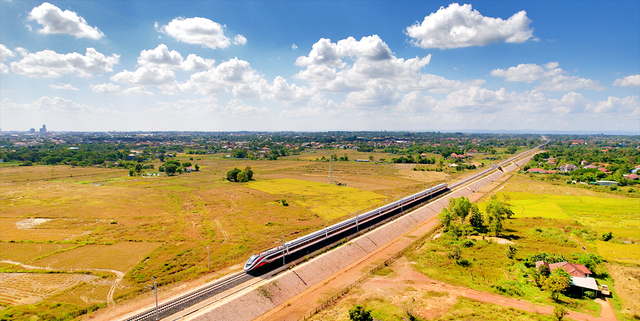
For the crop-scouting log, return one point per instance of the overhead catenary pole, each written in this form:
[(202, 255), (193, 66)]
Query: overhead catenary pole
[(326, 233), (283, 262), (155, 291), (208, 260)]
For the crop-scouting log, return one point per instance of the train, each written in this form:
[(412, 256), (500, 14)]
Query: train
[(277, 253)]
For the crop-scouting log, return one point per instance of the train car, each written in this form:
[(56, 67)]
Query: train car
[(303, 242)]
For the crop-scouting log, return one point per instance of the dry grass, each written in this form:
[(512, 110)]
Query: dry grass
[(120, 257), (26, 252), (627, 287), (161, 226), (337, 201), (30, 288)]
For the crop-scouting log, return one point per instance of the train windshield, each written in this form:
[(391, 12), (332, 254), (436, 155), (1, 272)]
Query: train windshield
[(251, 260)]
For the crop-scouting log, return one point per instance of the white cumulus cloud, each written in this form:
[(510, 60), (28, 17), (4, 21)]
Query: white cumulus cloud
[(162, 57), (414, 102), (5, 53), (460, 26), (629, 81), (55, 20), (137, 90), (146, 76), (551, 77), (235, 74), (108, 88), (63, 86), (50, 64), (200, 31), (239, 40)]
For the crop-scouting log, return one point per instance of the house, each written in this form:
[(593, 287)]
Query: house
[(477, 164), (537, 170), (577, 270), (590, 167), (580, 274), (607, 183), (584, 163), (567, 168), (362, 160), (604, 170), (631, 177), (189, 169)]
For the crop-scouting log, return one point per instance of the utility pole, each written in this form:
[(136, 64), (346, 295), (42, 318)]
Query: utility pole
[(326, 233), (208, 260), (282, 249), (357, 225), (155, 291), (330, 169)]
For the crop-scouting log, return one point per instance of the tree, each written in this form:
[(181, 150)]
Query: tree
[(249, 173), (197, 167), (476, 220), (138, 168), (558, 281), (606, 236), (371, 158), (241, 177), (358, 313), (170, 169), (232, 175), (544, 270), (512, 250), (497, 211)]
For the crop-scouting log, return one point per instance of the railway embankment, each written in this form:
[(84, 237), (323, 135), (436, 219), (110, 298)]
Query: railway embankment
[(253, 303)]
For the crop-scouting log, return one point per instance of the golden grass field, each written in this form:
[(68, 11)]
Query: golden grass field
[(98, 218)]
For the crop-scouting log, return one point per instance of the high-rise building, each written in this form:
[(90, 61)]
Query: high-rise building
[(43, 129), (32, 130)]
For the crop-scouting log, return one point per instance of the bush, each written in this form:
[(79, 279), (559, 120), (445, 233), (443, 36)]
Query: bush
[(590, 294), (467, 243)]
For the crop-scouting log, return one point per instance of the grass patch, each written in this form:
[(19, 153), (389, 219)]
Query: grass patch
[(469, 309), (338, 201), (619, 252)]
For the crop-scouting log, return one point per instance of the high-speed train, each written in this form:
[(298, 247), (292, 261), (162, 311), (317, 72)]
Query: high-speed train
[(303, 242)]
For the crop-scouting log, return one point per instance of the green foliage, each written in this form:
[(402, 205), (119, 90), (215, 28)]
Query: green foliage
[(606, 236), (559, 313), (453, 217), (248, 172), (497, 211), (590, 260), (358, 313), (232, 175), (26, 163), (559, 281), (170, 169), (512, 250), (476, 220)]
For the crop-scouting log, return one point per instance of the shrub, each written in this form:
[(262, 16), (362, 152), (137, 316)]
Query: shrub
[(590, 294)]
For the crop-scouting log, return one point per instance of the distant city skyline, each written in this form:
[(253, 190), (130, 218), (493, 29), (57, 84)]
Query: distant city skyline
[(560, 66)]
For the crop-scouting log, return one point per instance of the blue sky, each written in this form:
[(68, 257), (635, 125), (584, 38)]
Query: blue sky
[(320, 65)]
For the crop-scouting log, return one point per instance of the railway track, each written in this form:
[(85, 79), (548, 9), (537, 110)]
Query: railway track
[(171, 307)]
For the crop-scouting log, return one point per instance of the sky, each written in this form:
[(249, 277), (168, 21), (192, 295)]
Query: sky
[(320, 65)]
